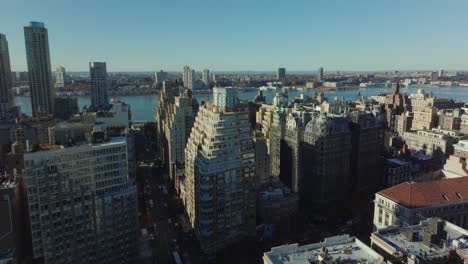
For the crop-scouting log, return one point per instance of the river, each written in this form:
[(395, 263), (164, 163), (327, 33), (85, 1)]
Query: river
[(144, 106)]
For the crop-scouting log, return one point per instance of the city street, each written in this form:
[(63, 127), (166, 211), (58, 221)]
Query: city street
[(167, 218)]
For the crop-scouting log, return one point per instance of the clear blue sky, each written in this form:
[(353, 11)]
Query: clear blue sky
[(244, 34)]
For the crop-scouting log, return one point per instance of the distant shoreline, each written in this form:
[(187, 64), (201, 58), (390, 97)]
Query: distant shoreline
[(252, 89)]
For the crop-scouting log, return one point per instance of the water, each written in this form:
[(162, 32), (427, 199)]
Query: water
[(144, 106)]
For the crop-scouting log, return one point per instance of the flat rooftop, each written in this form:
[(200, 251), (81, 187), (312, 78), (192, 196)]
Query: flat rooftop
[(398, 161), (337, 249), (396, 238)]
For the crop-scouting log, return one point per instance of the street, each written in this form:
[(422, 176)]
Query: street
[(166, 214)]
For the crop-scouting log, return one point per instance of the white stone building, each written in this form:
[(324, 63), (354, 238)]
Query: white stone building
[(408, 203)]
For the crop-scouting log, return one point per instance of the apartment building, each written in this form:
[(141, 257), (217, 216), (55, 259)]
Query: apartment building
[(82, 204), (219, 187)]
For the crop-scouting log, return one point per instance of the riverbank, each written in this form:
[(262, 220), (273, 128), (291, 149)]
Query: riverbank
[(144, 106)]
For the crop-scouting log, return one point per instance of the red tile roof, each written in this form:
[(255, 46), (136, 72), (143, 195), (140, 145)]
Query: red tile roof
[(431, 193)]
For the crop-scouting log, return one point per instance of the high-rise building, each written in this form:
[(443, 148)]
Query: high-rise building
[(14, 76), (169, 91), (65, 107), (320, 74), (395, 104), (160, 77), (281, 74), (98, 84), (82, 205), (325, 155), (6, 99), (441, 72), (60, 76), (40, 73), (23, 76), (219, 193), (206, 76), (188, 77), (177, 128), (434, 76)]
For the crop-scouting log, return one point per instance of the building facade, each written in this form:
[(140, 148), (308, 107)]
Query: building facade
[(169, 92), (188, 76), (160, 77), (431, 142), (98, 84), (320, 74), (65, 107), (281, 74), (424, 119), (220, 192), (403, 122), (83, 208), (177, 129), (206, 77), (395, 104), (326, 155), (60, 76), (408, 203), (39, 69), (5, 77)]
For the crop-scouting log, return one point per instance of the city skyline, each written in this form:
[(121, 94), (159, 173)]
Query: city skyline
[(244, 36)]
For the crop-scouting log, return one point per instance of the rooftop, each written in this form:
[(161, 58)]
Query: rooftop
[(398, 161), (462, 145), (420, 156), (337, 249), (431, 193), (36, 24), (409, 240)]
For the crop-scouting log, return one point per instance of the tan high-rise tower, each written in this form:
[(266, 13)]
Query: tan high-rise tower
[(219, 194)]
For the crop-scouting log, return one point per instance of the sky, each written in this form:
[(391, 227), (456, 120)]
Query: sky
[(240, 35)]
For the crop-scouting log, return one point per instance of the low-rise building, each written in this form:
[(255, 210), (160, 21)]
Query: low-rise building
[(432, 241), (65, 107), (276, 202), (455, 167), (436, 143), (424, 119), (404, 122), (450, 119), (338, 249), (396, 171), (461, 149), (421, 100), (410, 202)]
